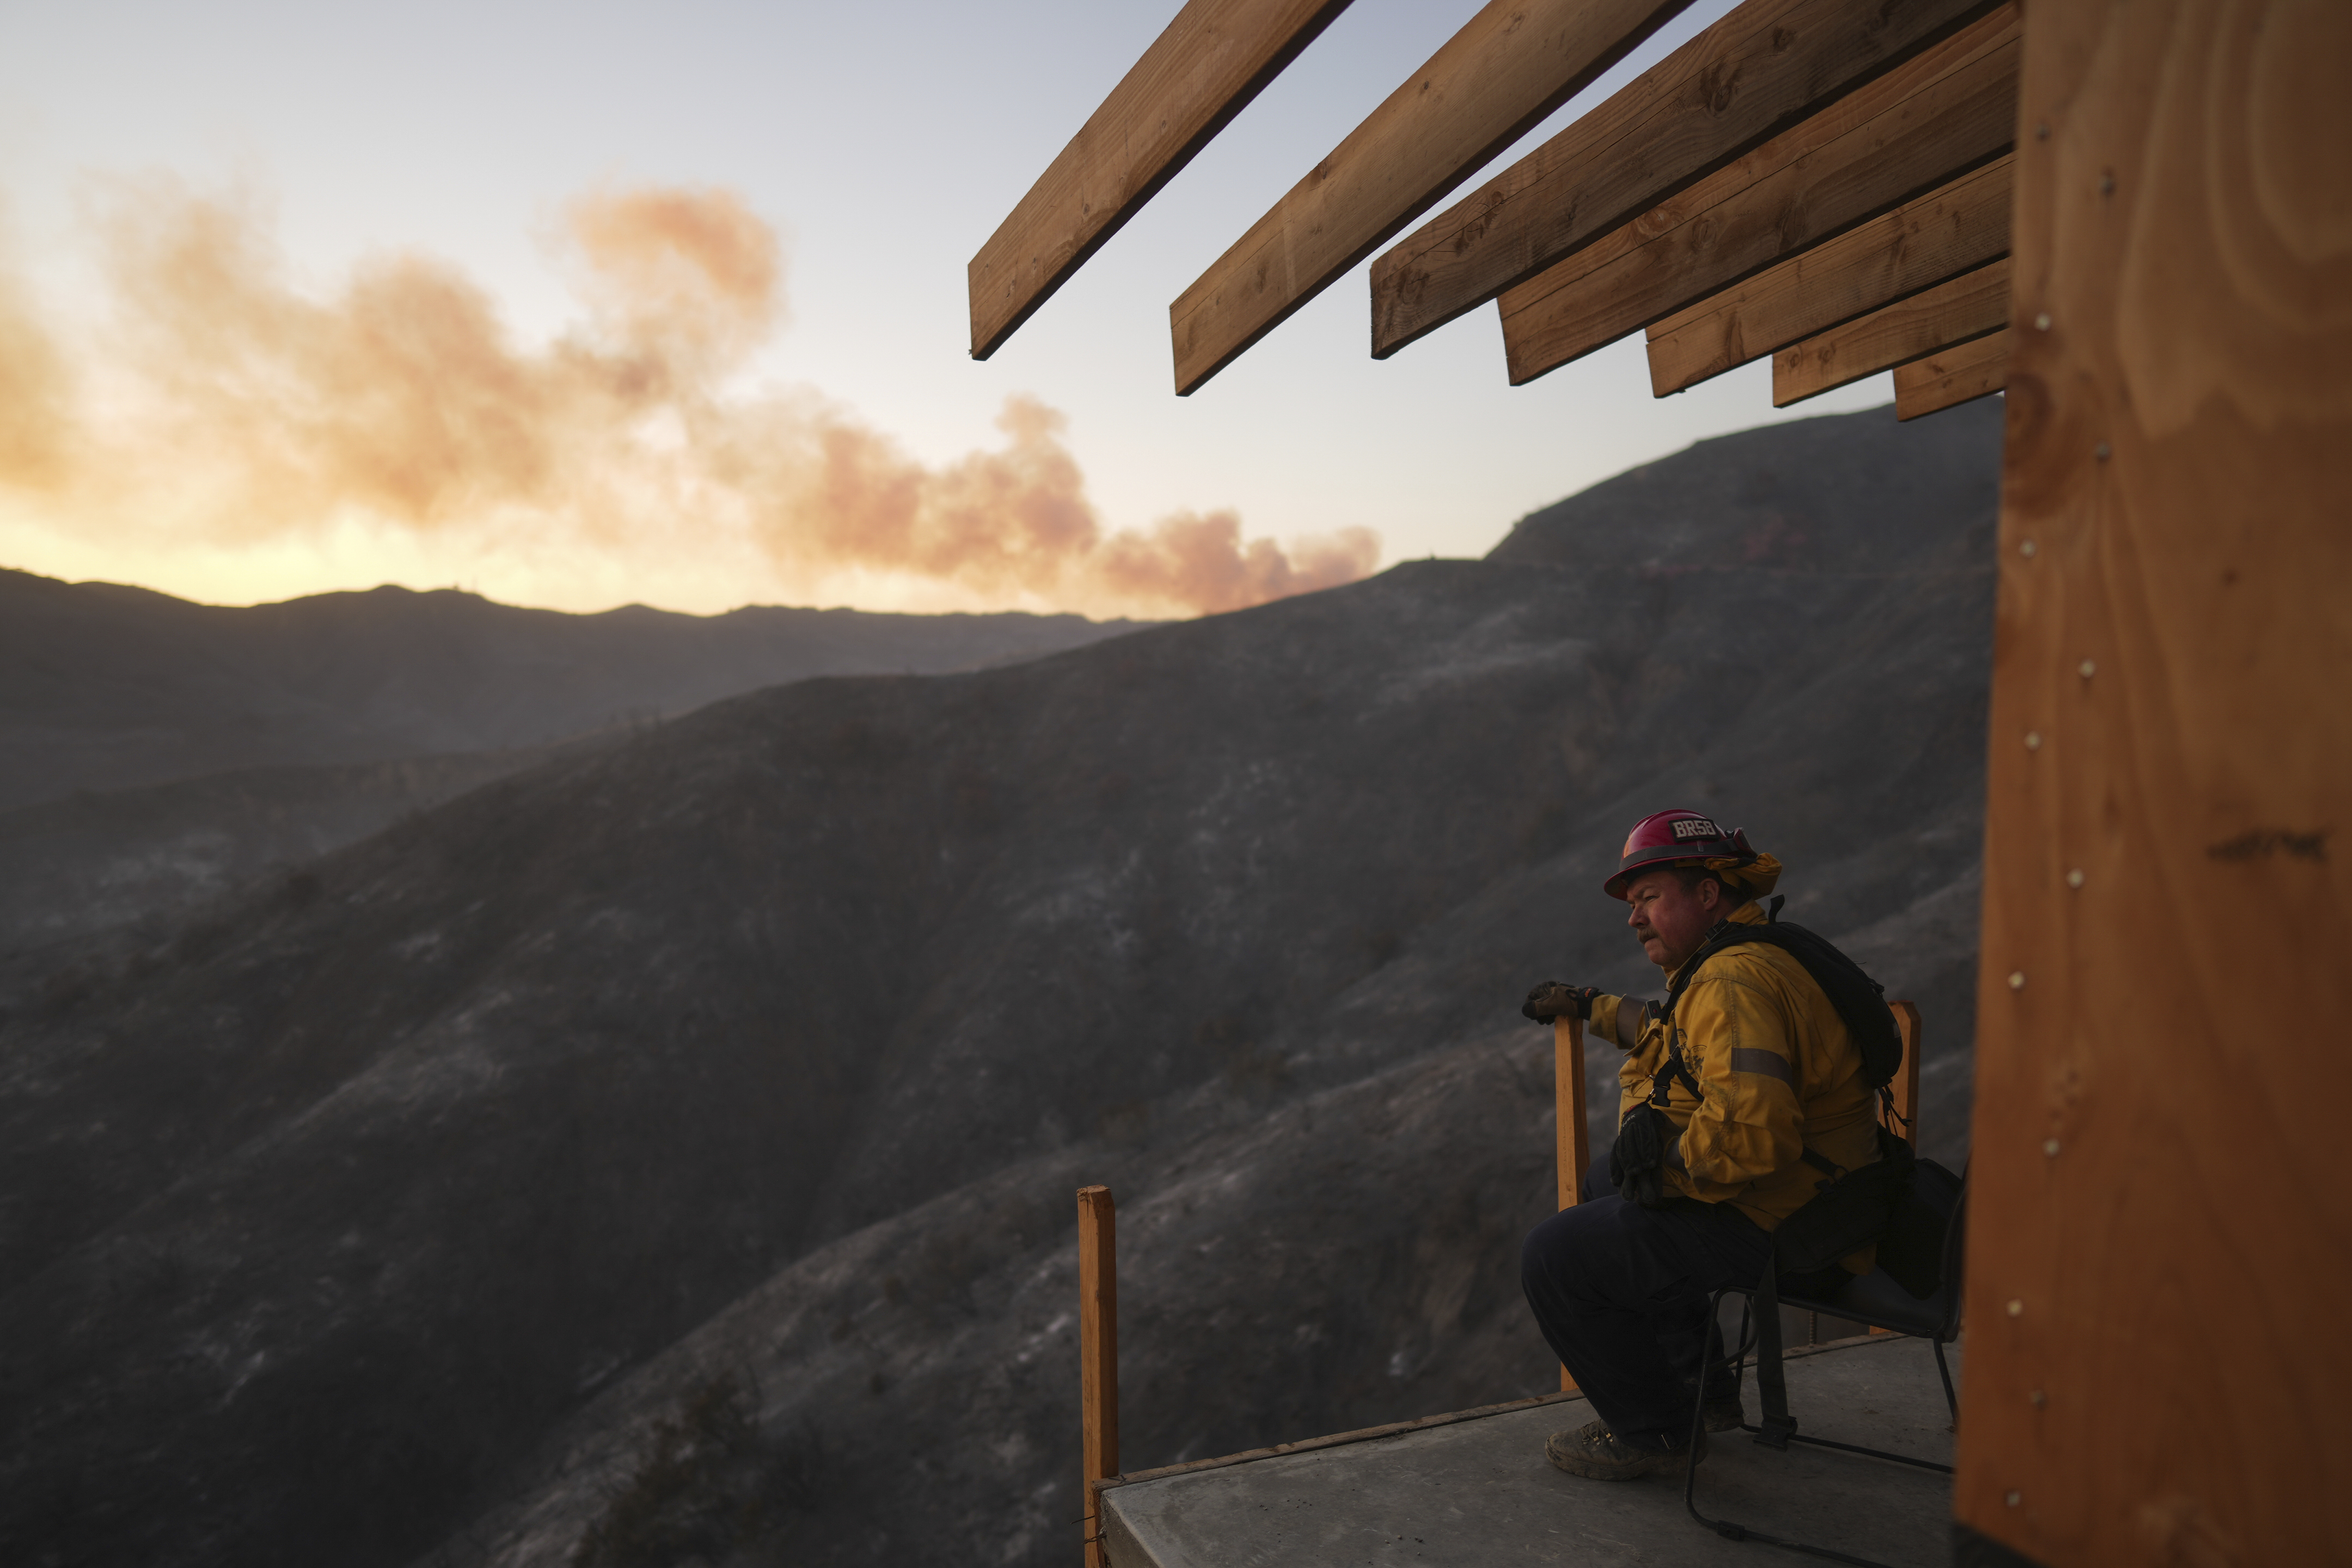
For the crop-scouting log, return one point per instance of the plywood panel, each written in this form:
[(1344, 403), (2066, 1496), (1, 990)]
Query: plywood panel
[(1197, 75), (2160, 1231), (1966, 307), (1916, 246), (1755, 73), (1936, 116), (1954, 376), (1512, 64)]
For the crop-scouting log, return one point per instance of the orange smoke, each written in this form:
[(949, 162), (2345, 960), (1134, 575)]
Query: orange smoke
[(251, 410), (34, 426)]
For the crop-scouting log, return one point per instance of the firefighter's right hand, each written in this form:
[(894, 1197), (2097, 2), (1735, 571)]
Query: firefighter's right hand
[(1553, 1000)]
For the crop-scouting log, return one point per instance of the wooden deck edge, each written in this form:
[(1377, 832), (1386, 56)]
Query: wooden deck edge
[(1363, 1435), (1423, 1423)]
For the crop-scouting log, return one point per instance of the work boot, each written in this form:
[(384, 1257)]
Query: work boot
[(1723, 1414), (1595, 1451)]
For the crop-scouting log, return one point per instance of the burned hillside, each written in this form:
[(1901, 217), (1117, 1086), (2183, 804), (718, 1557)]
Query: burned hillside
[(376, 1215)]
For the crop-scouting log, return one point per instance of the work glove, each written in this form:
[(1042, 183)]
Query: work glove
[(1553, 1000), (1637, 1160)]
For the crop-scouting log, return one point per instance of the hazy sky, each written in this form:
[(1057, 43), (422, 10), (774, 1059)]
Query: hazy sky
[(882, 144)]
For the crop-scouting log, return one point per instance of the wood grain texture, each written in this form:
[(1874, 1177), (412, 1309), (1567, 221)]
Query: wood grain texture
[(1954, 376), (1097, 1356), (1573, 1150), (1916, 246), (1197, 75), (1512, 64), (1573, 1156), (1752, 75), (2160, 1229), (1937, 116), (1955, 312)]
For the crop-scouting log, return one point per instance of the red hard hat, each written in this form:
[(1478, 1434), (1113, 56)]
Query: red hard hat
[(1675, 837)]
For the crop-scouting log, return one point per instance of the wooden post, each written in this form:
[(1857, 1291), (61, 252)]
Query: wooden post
[(1568, 1092), (1098, 1357)]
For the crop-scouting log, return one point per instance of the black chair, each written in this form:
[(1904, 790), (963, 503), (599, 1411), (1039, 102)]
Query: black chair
[(1873, 1299)]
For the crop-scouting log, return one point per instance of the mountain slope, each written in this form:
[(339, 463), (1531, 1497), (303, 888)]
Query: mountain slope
[(104, 686), (773, 1041)]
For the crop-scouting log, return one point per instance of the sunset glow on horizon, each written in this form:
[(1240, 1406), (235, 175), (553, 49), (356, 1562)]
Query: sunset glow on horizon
[(590, 305), (248, 422)]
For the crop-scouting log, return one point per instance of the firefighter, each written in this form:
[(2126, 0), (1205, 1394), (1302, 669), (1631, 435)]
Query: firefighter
[(1744, 1093)]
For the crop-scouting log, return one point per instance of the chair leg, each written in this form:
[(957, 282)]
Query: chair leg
[(1724, 1527), (1950, 1398), (1698, 1413)]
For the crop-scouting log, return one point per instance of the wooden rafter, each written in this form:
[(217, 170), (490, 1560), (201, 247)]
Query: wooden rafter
[(1513, 63), (1756, 72), (1956, 376), (1952, 314), (1202, 70), (1937, 115), (1918, 244)]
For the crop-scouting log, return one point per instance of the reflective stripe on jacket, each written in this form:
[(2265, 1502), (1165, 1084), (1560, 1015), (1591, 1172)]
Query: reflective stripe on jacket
[(1777, 1073)]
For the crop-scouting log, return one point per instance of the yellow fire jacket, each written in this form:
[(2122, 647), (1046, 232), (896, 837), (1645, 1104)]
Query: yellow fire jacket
[(1777, 1072)]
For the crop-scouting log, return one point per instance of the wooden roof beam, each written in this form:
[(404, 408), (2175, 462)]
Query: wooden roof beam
[(1756, 72), (1952, 312), (1512, 64), (1956, 376), (1941, 113), (1202, 70), (1918, 244)]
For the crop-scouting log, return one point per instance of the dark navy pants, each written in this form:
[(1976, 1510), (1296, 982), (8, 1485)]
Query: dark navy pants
[(1621, 1293)]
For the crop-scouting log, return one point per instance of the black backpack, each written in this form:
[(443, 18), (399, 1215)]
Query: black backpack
[(1860, 1001)]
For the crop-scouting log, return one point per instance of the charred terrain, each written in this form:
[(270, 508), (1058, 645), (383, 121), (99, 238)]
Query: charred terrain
[(665, 1153), (154, 752)]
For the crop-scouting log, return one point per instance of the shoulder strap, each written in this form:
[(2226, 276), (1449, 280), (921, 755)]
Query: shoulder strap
[(1860, 1001), (1722, 934)]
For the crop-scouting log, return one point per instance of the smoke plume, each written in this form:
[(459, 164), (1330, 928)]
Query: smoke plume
[(248, 409), (35, 428)]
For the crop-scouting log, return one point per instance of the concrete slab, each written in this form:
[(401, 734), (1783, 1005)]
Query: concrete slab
[(1479, 1492)]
